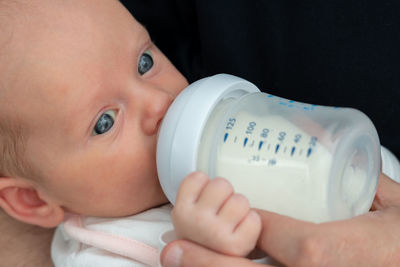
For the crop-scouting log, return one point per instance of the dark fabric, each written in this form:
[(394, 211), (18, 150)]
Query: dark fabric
[(331, 52)]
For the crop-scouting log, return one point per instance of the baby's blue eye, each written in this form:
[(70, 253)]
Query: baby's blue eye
[(104, 123), (145, 62)]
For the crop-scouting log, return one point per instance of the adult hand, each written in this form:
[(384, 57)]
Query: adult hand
[(371, 239)]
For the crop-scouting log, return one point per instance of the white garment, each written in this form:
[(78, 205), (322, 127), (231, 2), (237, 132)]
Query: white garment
[(128, 241)]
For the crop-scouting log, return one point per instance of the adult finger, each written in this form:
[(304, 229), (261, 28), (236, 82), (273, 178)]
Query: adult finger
[(387, 193), (298, 243), (182, 253), (283, 237)]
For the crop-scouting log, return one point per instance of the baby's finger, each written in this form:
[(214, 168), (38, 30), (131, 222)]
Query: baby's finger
[(246, 233), (191, 187), (186, 254), (250, 225), (214, 194), (234, 210)]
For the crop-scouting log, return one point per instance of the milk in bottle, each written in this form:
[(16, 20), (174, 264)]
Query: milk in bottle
[(309, 162)]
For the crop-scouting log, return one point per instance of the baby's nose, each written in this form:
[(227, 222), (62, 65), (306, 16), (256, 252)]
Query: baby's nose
[(154, 110)]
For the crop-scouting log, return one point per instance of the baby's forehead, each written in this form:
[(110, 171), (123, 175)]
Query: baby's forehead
[(48, 33), (55, 43)]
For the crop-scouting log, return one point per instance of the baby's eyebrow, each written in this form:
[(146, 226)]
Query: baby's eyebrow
[(81, 115)]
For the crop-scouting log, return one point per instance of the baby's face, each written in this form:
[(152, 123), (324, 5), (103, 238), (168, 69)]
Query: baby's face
[(92, 89)]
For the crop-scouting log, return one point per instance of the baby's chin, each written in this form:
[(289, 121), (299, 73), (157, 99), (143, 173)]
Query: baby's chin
[(125, 210)]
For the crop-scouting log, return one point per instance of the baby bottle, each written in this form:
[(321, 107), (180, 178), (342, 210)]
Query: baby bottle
[(310, 162)]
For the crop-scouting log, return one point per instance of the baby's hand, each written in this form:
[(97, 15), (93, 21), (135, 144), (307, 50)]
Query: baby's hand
[(211, 214)]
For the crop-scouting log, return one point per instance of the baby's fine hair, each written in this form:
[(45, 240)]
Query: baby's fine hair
[(11, 148), (11, 131)]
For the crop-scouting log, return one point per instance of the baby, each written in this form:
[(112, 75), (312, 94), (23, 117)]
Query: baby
[(82, 93)]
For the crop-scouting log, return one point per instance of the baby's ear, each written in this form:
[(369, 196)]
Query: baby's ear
[(22, 201)]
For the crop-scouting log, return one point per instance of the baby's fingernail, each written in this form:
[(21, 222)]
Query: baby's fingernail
[(173, 257)]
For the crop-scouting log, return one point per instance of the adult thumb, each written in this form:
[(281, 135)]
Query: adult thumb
[(182, 253), (387, 194)]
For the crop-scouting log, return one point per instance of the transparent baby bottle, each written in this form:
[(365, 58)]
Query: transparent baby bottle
[(310, 162)]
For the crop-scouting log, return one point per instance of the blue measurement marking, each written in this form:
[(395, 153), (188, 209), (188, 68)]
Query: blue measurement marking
[(292, 152), (225, 137), (311, 107), (309, 152), (245, 141), (260, 145), (277, 148)]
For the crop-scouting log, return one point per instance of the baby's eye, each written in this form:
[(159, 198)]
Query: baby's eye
[(105, 122), (145, 62)]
